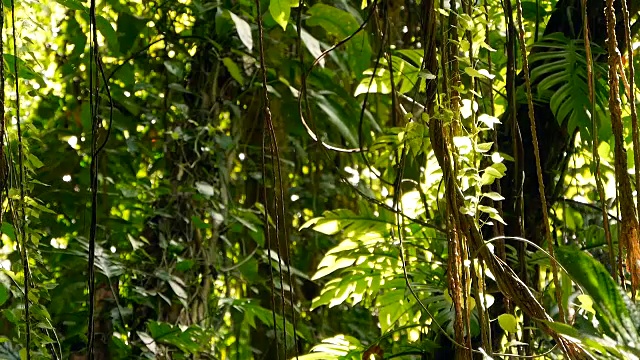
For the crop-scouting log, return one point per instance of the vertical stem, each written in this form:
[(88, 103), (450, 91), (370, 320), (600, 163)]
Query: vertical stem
[(596, 155), (632, 100), (536, 152), (629, 225), (23, 215)]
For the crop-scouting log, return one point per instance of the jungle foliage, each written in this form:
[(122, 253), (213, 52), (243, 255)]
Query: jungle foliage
[(337, 179)]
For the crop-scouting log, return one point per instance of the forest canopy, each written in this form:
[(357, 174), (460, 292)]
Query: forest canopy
[(319, 179)]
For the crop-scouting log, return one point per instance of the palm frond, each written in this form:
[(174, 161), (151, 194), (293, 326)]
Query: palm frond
[(559, 76)]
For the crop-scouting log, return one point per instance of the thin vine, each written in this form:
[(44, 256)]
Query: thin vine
[(596, 154), (96, 72), (21, 181), (536, 152)]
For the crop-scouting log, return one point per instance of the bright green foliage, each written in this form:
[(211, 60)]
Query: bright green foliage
[(562, 80), (211, 245), (616, 333)]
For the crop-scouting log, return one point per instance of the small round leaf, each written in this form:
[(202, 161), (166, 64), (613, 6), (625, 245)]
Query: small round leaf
[(508, 323)]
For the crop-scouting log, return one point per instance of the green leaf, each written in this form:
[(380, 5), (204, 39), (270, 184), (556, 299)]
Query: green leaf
[(233, 69), (313, 45), (333, 221), (405, 77), (4, 294), (148, 341), (109, 33), (128, 28), (463, 143), (280, 11), (244, 30), (498, 170), (199, 223), (180, 337), (331, 263), (38, 206), (416, 133), (11, 315), (185, 265), (596, 344), (493, 213), (265, 316), (178, 289), (335, 348), (173, 67), (616, 313), (35, 162), (508, 323), (561, 77), (493, 196), (72, 4), (488, 120), (246, 220), (586, 303), (484, 147), (492, 172), (374, 85), (341, 24), (329, 227), (334, 117), (8, 230), (249, 269), (24, 71), (482, 73)]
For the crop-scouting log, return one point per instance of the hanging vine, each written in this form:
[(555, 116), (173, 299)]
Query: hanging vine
[(98, 143), (629, 226), (21, 183)]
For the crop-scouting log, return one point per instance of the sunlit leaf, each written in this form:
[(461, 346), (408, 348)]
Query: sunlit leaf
[(488, 120), (328, 227), (508, 323), (484, 147), (148, 341), (482, 73), (72, 4), (330, 264), (244, 30), (494, 171), (463, 144), (493, 196), (468, 108), (586, 302), (280, 11)]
